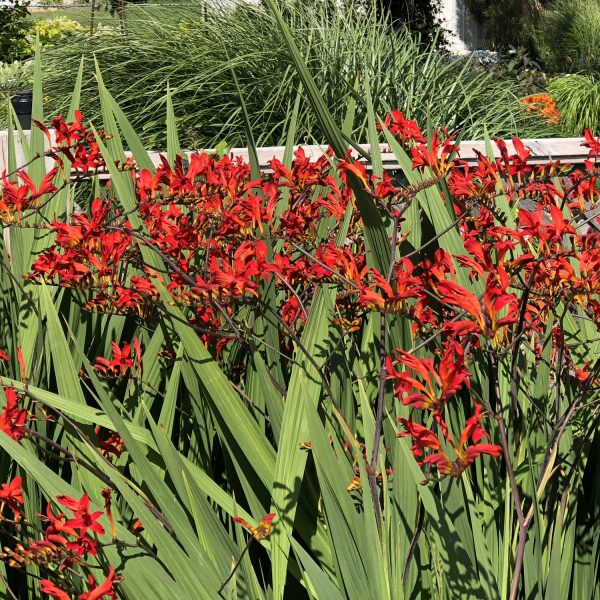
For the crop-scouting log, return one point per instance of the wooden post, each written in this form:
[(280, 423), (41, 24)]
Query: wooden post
[(122, 15), (92, 16)]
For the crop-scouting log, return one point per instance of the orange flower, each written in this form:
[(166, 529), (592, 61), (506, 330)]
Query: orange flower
[(47, 587), (544, 105), (96, 592), (264, 526)]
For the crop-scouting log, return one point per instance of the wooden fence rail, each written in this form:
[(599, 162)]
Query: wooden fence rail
[(567, 150)]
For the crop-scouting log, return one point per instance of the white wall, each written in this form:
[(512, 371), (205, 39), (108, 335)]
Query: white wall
[(463, 30)]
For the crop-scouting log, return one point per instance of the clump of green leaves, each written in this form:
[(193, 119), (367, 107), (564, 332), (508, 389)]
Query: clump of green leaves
[(578, 101), (15, 77)]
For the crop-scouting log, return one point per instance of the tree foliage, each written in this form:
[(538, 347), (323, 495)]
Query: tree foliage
[(13, 27)]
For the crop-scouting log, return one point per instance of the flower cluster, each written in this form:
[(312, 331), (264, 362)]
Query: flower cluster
[(67, 541), (544, 105), (231, 246)]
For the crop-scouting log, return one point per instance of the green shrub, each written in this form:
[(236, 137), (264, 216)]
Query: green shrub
[(52, 31), (578, 100), (568, 37), (195, 51), (13, 27)]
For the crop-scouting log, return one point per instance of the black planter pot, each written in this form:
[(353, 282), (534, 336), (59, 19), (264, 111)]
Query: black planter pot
[(22, 103)]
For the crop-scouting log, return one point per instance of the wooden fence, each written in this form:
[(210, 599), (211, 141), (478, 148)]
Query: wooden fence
[(567, 150)]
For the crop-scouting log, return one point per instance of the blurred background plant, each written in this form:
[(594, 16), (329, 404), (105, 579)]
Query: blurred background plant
[(568, 36), (420, 16), (15, 77), (516, 67), (563, 35), (50, 2), (396, 49), (558, 37), (507, 23), (544, 105), (195, 49)]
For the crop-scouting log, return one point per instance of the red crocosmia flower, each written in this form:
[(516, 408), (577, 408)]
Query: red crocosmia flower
[(465, 456), (463, 182), (57, 524), (13, 418), (592, 143), (97, 592), (422, 156), (3, 355), (385, 188), (234, 277), (394, 301), (48, 550), (106, 494), (436, 385), (422, 437), (333, 204), (521, 152), (69, 132), (291, 311), (515, 164), (473, 429), (488, 258), (357, 169), (264, 526), (82, 546), (47, 587), (404, 129), (16, 198), (110, 444), (434, 155), (11, 495), (137, 528), (550, 235), (83, 519), (122, 359), (486, 320), (21, 362), (46, 186), (305, 173)]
